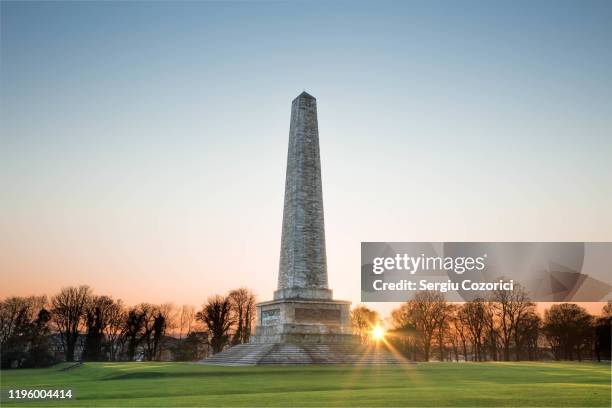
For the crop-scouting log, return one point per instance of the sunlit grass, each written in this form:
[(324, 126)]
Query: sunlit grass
[(434, 384)]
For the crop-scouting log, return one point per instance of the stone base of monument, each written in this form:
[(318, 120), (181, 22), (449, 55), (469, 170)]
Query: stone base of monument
[(303, 321), (287, 353), (300, 331)]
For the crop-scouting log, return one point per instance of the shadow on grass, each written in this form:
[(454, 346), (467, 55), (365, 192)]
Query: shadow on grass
[(276, 371), (156, 374)]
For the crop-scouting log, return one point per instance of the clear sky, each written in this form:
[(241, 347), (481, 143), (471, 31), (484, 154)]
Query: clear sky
[(143, 144)]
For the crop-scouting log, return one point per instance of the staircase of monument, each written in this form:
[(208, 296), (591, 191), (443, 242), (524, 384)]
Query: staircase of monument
[(240, 355), (284, 353)]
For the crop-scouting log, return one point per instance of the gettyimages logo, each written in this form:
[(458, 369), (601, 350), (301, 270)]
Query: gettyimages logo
[(413, 264), (555, 272)]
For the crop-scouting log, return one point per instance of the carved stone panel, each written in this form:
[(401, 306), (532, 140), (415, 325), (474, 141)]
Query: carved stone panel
[(326, 316), (270, 316)]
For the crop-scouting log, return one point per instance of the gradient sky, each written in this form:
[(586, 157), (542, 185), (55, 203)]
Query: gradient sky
[(143, 144)]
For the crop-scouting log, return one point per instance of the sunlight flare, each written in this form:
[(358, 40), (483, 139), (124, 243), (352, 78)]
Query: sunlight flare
[(378, 333)]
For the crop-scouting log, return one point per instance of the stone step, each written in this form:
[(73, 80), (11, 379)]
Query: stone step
[(281, 353)]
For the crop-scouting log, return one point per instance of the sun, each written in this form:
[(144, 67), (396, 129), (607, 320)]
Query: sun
[(378, 333)]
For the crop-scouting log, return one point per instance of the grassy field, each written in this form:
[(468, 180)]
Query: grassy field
[(433, 384)]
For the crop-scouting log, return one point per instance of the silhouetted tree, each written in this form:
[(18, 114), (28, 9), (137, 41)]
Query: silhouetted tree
[(24, 332), (242, 303), (460, 332), (491, 336), (527, 334), (216, 315), (159, 328), (15, 310), (144, 330), (603, 334), (68, 309), (473, 317), (97, 317), (132, 331), (509, 307), (116, 316), (250, 313), (428, 308), (39, 350), (567, 328), (445, 315), (147, 339)]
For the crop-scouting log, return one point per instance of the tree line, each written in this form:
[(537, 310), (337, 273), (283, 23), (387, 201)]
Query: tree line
[(502, 328), (76, 324)]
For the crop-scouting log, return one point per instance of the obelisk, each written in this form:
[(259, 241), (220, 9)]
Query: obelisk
[(303, 310), (302, 324), (303, 264)]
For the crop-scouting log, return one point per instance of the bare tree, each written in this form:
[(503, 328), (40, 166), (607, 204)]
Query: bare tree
[(364, 320), (216, 315), (472, 315), (242, 303), (250, 313), (113, 330), (427, 307), (445, 316), (145, 329), (509, 307), (186, 317), (24, 332), (165, 320), (491, 332), (527, 334), (171, 314), (460, 331), (68, 308), (603, 333), (132, 330), (97, 316), (567, 328), (148, 312), (15, 310)]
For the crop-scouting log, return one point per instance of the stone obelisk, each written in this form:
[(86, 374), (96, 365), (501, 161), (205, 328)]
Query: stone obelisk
[(303, 310), (303, 324), (303, 264)]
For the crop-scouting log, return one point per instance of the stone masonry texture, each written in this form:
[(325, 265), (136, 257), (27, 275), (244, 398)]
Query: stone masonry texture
[(303, 263)]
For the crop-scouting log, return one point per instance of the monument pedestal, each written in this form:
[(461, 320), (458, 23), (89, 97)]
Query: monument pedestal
[(303, 324), (304, 321)]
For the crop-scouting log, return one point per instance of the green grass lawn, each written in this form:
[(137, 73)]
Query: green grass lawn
[(433, 384)]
